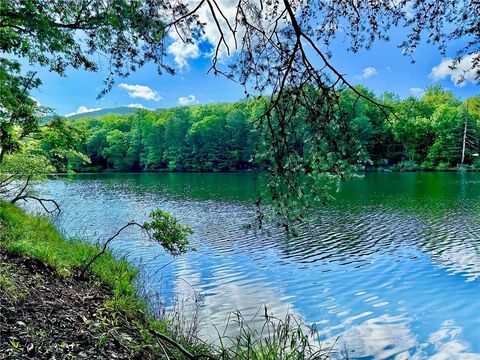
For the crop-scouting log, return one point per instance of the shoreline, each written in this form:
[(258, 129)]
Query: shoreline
[(255, 172), (49, 310)]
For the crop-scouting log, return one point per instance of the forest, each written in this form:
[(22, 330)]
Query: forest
[(435, 131)]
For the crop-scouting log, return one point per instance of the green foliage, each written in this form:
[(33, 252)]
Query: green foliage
[(116, 150), (406, 165), (413, 127), (369, 127), (18, 111), (169, 232), (432, 128), (24, 166), (231, 137), (302, 161), (68, 33), (18, 172), (199, 138), (163, 228), (58, 141)]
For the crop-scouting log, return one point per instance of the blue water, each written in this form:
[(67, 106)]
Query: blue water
[(391, 268)]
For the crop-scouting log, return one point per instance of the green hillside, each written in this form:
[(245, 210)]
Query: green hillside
[(122, 110)]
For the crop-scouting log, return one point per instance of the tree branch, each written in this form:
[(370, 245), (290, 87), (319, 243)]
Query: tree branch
[(105, 245)]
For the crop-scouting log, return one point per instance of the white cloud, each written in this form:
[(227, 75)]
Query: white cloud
[(461, 73), (36, 101), (409, 10), (417, 92), (187, 100), (82, 110), (40, 111), (183, 52), (138, 106), (377, 337), (368, 72), (141, 91)]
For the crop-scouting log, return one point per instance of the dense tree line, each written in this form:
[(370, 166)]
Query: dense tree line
[(434, 131), (198, 138)]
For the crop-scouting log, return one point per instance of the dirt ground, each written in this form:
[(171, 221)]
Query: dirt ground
[(47, 316)]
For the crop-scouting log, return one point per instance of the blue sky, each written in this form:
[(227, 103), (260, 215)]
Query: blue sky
[(381, 68)]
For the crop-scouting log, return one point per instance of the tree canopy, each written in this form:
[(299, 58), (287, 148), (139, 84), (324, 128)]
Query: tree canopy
[(423, 133), (85, 34)]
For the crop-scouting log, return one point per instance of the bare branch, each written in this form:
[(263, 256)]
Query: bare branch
[(105, 245), (41, 201)]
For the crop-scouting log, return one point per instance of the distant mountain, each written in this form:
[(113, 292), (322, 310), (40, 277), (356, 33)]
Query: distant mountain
[(122, 110)]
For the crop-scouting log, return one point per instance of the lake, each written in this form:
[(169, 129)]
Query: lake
[(391, 268)]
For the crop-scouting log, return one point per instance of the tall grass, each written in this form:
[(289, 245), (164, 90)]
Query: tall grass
[(286, 338)]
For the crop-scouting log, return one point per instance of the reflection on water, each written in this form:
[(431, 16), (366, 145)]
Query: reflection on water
[(392, 266)]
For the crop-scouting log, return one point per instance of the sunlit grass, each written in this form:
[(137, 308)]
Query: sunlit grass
[(37, 237)]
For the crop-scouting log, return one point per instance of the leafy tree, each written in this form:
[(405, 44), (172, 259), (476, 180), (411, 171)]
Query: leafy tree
[(18, 172), (448, 127), (419, 124), (59, 142), (70, 33), (174, 138), (94, 147), (457, 137), (225, 137), (169, 232), (472, 130), (152, 156), (18, 111), (239, 131), (368, 124), (436, 96), (135, 142), (162, 228), (116, 150), (413, 126)]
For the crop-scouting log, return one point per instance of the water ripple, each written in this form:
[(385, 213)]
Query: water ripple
[(392, 266)]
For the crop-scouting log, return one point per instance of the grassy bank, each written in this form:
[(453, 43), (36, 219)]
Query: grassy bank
[(35, 240), (36, 237), (45, 307)]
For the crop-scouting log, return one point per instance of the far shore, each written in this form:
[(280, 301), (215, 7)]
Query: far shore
[(253, 171)]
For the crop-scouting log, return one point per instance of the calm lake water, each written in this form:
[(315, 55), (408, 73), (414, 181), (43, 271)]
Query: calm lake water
[(392, 267)]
